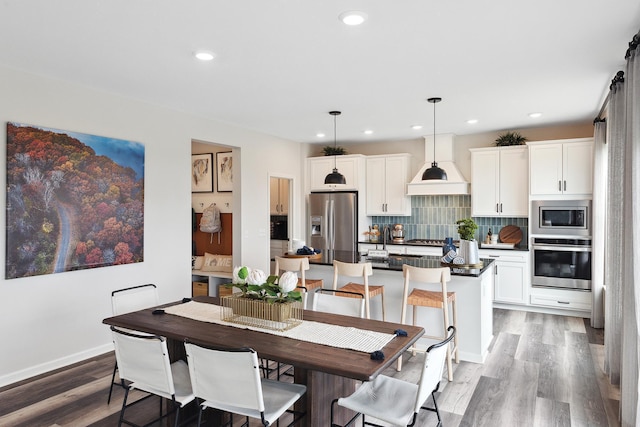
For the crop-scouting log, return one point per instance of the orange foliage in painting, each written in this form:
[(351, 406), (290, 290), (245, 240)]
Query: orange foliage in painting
[(50, 174)]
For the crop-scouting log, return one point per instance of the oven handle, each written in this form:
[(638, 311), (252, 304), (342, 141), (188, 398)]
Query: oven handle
[(562, 248)]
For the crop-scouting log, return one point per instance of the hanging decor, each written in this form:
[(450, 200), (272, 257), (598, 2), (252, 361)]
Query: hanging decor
[(434, 172), (335, 177)]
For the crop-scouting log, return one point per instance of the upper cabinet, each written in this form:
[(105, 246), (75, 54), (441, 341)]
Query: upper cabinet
[(499, 181), (562, 167), (387, 178), (352, 166), (279, 194)]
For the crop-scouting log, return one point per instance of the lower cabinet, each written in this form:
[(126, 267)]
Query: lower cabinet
[(279, 248), (512, 275), (561, 298)]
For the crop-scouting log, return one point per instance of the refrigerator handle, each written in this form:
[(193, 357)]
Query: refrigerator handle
[(326, 222), (331, 230)]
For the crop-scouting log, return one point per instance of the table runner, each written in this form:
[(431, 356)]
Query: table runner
[(309, 331)]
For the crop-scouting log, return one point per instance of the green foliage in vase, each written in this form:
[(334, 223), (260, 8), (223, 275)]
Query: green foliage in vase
[(333, 151), (467, 228)]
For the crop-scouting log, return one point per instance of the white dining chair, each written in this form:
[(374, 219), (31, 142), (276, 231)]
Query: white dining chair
[(335, 301), (125, 301), (229, 380), (143, 361), (396, 401)]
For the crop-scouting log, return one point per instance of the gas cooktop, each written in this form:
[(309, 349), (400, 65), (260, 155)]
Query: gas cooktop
[(430, 242)]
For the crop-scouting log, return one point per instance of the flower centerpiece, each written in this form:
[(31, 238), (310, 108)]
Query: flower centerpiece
[(264, 301)]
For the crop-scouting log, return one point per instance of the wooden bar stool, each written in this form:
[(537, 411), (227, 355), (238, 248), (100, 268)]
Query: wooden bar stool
[(298, 264), (363, 270), (432, 299)]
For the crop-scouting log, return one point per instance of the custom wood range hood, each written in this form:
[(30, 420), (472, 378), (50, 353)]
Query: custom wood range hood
[(455, 183)]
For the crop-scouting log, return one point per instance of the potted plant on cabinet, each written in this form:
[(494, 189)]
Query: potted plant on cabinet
[(468, 245)]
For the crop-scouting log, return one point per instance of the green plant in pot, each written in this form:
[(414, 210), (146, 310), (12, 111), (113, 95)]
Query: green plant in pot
[(510, 138), (333, 151), (468, 246)]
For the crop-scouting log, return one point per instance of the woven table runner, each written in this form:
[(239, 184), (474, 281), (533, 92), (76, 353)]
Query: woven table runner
[(309, 331)]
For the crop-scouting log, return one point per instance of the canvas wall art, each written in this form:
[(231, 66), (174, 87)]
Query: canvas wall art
[(224, 171), (74, 201), (202, 173)]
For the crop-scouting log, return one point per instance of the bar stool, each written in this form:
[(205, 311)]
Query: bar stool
[(298, 265), (432, 299), (363, 270)]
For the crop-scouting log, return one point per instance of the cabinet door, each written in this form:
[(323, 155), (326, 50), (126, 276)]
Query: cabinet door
[(396, 177), (376, 186), (578, 168), (545, 163), (510, 282), (514, 181), (283, 191), (485, 176), (349, 167), (274, 200), (319, 168)]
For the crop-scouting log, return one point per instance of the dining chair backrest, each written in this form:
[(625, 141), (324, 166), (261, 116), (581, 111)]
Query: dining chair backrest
[(236, 369), (144, 360), (361, 269), (338, 302), (423, 275), (433, 368), (134, 298), (291, 264)]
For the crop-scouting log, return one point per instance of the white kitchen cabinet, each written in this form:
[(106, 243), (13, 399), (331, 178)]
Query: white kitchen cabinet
[(387, 178), (499, 182), (561, 167), (575, 300), (278, 247), (364, 248), (352, 166), (511, 275), (279, 195)]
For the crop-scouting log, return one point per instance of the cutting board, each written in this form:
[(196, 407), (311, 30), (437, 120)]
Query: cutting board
[(510, 234)]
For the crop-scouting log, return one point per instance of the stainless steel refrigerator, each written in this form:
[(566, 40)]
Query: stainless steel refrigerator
[(333, 221)]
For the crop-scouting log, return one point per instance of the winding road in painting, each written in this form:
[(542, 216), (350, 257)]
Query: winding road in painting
[(64, 240)]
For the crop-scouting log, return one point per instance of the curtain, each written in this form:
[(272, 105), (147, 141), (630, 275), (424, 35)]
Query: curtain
[(629, 391), (599, 206), (622, 277)]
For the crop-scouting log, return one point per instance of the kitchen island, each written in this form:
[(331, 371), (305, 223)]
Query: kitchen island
[(473, 288)]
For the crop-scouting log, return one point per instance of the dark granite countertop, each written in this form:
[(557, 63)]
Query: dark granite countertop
[(521, 247), (395, 262)]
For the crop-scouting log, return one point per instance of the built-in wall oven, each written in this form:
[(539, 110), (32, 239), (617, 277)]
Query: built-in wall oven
[(561, 244)]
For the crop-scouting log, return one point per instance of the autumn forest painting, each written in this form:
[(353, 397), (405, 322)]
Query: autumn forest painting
[(74, 201)]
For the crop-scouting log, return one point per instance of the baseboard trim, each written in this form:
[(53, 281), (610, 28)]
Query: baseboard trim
[(14, 377)]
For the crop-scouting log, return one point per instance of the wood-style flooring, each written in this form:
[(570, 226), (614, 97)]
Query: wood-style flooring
[(542, 370)]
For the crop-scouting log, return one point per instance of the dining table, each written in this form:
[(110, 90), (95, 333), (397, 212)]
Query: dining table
[(328, 372)]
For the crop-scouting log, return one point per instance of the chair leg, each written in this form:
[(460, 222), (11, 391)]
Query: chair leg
[(113, 380), (455, 323), (415, 316), (384, 317), (124, 405), (435, 405)]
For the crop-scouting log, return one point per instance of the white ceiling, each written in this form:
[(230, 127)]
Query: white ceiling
[(282, 65)]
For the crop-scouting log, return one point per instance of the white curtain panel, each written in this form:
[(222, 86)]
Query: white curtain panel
[(629, 392), (615, 234), (599, 209)]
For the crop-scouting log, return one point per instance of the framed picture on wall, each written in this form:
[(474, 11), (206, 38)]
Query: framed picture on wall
[(224, 171), (202, 173)]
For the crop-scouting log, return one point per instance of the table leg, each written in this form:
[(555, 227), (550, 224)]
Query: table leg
[(322, 388)]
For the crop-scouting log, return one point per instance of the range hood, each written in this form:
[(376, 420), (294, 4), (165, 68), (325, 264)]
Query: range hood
[(455, 183)]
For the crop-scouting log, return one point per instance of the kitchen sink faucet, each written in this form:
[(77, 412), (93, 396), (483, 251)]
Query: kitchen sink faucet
[(385, 230)]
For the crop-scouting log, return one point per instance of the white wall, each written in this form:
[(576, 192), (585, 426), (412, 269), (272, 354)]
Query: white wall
[(53, 320)]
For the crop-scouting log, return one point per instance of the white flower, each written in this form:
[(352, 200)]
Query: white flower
[(288, 281), (256, 277), (240, 275)]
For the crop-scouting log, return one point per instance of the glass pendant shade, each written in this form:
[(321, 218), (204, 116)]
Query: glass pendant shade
[(434, 172), (335, 177)]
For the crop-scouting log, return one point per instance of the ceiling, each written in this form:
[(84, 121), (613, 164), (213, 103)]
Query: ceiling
[(282, 65)]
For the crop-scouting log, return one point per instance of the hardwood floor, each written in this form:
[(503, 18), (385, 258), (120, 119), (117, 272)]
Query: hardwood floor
[(543, 370)]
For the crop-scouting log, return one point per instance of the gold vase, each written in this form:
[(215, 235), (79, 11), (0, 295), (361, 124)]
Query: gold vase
[(278, 316)]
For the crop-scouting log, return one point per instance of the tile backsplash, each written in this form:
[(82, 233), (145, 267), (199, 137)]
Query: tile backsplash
[(434, 217)]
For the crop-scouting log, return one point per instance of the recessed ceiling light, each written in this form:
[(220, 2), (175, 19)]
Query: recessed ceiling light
[(353, 17), (416, 127), (320, 135), (535, 115), (204, 55), (368, 132), (472, 121)]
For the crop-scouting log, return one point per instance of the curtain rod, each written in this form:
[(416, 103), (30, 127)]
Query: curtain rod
[(619, 78)]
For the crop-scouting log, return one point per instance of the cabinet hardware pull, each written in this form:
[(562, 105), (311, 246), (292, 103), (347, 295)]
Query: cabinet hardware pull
[(500, 207), (559, 185), (497, 208), (564, 302), (565, 185)]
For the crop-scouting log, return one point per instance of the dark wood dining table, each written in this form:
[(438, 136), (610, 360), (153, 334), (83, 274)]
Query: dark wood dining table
[(328, 372)]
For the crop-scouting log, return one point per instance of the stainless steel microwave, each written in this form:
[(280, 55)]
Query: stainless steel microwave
[(561, 217)]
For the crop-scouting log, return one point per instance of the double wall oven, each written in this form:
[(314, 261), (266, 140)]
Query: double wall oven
[(561, 244)]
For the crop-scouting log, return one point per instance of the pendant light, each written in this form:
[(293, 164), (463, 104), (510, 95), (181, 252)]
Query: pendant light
[(335, 177), (434, 172)]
